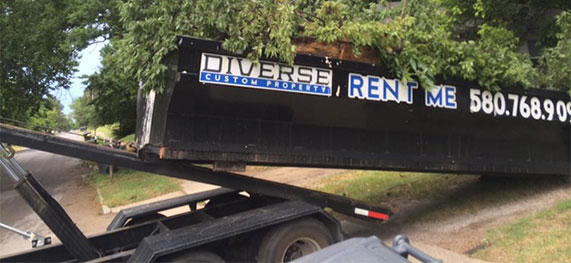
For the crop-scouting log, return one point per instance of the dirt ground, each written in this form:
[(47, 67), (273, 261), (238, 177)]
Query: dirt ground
[(305, 177), (81, 203), (462, 233)]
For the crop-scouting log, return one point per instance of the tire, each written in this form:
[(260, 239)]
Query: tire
[(201, 256), (293, 240)]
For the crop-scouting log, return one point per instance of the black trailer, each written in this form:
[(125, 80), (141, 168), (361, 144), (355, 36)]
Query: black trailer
[(321, 112), (324, 112), (251, 220)]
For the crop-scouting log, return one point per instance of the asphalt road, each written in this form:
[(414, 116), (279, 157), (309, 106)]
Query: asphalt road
[(53, 172)]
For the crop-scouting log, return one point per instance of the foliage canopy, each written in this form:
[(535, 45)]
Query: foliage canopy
[(474, 40), (39, 47), (114, 95), (36, 56), (50, 117)]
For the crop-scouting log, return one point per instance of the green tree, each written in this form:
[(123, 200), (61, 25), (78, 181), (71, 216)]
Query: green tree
[(39, 47), (114, 94), (475, 40), (83, 111), (35, 55), (94, 21), (527, 19), (554, 64), (50, 117)]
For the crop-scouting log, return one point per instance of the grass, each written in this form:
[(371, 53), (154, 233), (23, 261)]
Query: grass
[(543, 237), (489, 192), (451, 195), (128, 138), (380, 186), (18, 148), (129, 186), (105, 131)]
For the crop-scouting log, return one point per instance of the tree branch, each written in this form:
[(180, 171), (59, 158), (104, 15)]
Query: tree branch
[(403, 9)]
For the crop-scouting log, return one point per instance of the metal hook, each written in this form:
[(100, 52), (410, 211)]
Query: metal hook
[(7, 152), (15, 170)]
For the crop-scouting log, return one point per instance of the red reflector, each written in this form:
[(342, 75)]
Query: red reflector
[(378, 215)]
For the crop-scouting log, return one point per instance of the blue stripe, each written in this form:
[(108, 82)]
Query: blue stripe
[(263, 83)]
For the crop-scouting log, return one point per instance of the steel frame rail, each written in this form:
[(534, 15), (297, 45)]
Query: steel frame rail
[(49, 143)]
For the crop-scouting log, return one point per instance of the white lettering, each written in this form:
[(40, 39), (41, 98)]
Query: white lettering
[(380, 88), (242, 72), (441, 97)]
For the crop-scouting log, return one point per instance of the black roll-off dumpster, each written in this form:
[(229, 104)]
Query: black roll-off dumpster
[(327, 112)]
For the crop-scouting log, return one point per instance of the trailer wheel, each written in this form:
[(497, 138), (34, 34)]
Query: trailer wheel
[(293, 240), (201, 256)]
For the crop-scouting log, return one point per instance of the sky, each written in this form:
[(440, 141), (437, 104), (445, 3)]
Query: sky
[(89, 63)]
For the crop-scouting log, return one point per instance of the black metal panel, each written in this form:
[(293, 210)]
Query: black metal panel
[(128, 238), (208, 123), (195, 235), (151, 208), (51, 253)]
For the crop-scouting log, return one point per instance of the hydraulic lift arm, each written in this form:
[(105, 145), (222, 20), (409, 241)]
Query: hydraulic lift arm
[(48, 209)]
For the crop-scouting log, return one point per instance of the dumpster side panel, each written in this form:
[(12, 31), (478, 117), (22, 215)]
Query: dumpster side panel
[(213, 122)]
